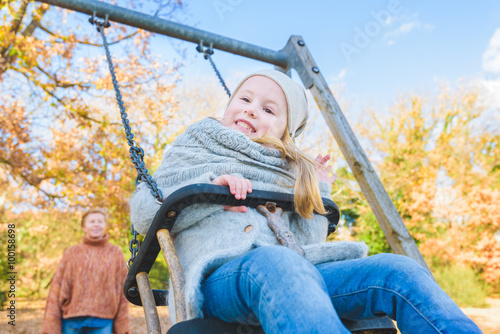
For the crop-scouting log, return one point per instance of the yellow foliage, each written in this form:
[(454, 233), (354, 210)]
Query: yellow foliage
[(62, 143), (440, 165)]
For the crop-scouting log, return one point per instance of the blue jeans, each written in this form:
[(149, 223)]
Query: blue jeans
[(87, 325), (285, 293)]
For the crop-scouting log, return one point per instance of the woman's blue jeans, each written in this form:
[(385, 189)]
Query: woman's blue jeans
[(87, 325), (285, 293)]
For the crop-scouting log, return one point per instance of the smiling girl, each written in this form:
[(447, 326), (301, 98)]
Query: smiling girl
[(236, 270)]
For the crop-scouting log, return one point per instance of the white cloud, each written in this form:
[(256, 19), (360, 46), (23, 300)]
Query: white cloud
[(491, 57), (340, 76), (337, 79), (390, 20), (409, 25), (489, 91), (489, 84)]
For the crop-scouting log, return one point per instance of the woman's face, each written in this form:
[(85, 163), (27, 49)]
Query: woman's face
[(94, 226), (258, 108)]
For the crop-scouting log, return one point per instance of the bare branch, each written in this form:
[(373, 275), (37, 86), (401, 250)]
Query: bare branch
[(60, 84), (18, 17), (35, 22), (111, 43), (5, 59), (29, 180), (83, 42), (16, 24), (61, 101)]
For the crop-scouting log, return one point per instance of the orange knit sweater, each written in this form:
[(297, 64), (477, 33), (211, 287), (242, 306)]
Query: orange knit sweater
[(88, 282)]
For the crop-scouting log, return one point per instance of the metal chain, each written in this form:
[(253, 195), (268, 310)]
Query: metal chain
[(133, 246), (207, 54), (136, 153)]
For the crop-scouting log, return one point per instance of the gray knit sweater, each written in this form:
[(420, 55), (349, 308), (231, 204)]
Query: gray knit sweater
[(205, 235)]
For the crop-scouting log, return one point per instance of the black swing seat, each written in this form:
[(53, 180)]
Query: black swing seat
[(382, 325), (208, 193)]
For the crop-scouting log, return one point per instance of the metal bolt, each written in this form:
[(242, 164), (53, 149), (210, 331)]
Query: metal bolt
[(133, 292), (301, 43), (171, 214), (270, 207), (315, 69)]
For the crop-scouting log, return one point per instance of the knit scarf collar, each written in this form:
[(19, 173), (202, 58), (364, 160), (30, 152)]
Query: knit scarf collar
[(96, 242), (233, 143), (209, 146)]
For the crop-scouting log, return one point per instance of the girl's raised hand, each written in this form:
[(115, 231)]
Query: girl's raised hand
[(238, 187), (324, 169)]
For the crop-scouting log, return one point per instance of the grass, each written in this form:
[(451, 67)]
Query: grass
[(462, 284)]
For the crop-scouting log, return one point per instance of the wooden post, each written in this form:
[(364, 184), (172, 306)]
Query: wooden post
[(148, 303), (176, 273), (388, 217)]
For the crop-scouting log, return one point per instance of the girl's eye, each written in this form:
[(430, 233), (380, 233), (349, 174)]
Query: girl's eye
[(267, 110), (245, 99)]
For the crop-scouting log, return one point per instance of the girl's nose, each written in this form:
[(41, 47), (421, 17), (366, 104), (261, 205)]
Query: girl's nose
[(250, 112)]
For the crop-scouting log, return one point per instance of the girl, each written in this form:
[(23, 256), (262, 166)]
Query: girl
[(235, 268)]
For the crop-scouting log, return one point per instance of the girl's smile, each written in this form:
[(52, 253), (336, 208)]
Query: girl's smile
[(244, 126)]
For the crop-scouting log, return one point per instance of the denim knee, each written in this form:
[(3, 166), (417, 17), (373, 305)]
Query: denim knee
[(400, 268), (279, 263), (275, 254)]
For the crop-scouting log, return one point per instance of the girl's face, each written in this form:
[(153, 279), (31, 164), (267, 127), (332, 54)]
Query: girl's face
[(94, 226), (258, 108)]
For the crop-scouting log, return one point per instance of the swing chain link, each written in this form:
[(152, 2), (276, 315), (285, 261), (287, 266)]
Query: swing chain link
[(133, 246), (136, 153), (207, 54)]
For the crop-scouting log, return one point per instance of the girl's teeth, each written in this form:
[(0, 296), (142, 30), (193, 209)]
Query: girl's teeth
[(244, 125)]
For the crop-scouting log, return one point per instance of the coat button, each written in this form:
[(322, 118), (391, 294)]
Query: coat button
[(249, 228)]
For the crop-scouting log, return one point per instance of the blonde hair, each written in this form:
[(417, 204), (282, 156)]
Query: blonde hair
[(91, 211), (307, 197)]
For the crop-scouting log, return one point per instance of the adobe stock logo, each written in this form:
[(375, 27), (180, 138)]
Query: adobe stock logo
[(224, 6), (372, 29)]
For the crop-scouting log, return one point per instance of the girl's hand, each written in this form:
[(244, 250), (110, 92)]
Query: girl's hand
[(238, 187), (324, 170)]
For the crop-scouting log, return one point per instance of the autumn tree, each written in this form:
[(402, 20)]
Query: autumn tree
[(62, 143), (439, 161)]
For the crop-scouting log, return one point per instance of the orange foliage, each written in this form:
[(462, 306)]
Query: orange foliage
[(441, 167), (62, 143), (472, 240)]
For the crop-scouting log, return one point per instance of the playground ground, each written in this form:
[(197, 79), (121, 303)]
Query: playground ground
[(30, 313)]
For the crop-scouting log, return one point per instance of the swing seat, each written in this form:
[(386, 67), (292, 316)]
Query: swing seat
[(138, 290), (382, 325)]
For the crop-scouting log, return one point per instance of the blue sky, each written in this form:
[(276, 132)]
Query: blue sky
[(374, 49)]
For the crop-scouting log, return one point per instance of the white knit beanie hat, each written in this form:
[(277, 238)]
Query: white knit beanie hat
[(295, 95)]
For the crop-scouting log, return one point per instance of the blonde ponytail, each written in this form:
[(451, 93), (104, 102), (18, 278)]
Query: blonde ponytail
[(307, 197)]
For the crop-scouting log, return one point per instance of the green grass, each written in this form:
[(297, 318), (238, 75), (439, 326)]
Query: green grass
[(462, 284)]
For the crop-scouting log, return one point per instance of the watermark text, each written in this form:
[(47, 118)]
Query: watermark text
[(11, 274)]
